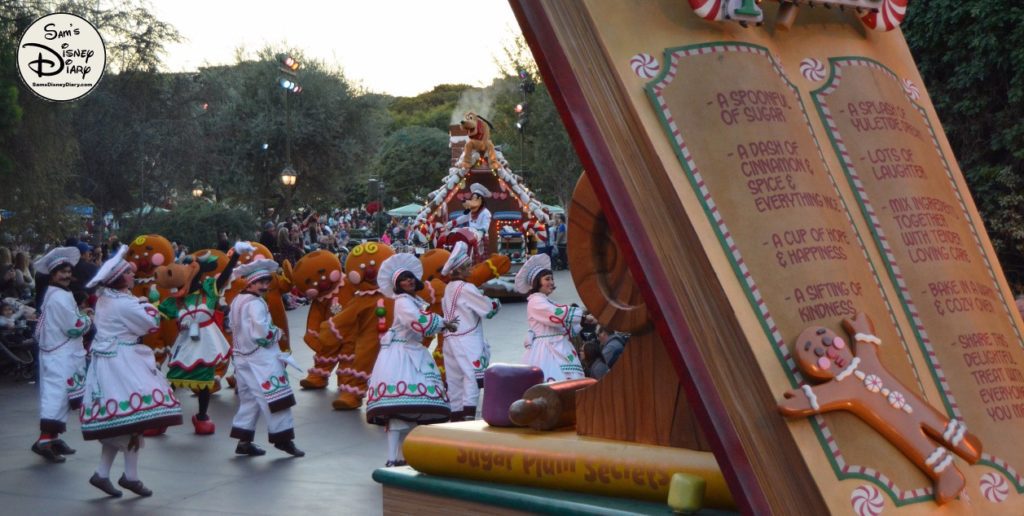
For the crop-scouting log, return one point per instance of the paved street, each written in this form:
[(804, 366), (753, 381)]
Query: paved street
[(192, 474)]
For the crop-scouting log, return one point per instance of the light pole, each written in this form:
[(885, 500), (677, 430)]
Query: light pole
[(288, 179), (289, 84)]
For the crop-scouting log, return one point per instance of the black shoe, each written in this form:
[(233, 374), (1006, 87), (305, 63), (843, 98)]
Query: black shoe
[(62, 447), (390, 463), (249, 449), (134, 486), (103, 484), (47, 451), (401, 463), (289, 448)]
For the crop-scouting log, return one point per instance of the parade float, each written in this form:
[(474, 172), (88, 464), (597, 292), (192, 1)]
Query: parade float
[(517, 216), (772, 207)]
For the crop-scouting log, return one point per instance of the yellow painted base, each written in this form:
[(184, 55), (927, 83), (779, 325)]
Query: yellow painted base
[(560, 460)]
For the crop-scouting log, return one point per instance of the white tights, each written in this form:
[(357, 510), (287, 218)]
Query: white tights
[(109, 453), (397, 429)]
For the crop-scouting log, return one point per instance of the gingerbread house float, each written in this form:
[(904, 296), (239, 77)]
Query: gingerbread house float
[(518, 218)]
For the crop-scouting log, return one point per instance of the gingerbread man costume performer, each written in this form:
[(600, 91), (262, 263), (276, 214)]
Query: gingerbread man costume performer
[(147, 252), (856, 381), (355, 332), (318, 276)]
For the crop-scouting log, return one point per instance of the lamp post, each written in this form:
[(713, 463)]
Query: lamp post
[(288, 179), (289, 85)]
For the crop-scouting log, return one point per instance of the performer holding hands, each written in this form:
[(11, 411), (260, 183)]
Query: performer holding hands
[(405, 387), (61, 353), (551, 325), (125, 393), (466, 352), (260, 375)]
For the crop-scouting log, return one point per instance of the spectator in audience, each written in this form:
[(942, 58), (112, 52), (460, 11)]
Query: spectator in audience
[(23, 278), (593, 360), (268, 238), (82, 272), (561, 243), (612, 345)]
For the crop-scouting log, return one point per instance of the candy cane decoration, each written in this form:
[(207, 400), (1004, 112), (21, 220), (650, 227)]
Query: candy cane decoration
[(711, 10), (887, 17)]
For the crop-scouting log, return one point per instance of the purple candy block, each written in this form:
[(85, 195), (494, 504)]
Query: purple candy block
[(505, 384)]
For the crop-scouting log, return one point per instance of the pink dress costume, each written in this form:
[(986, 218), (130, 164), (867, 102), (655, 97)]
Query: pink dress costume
[(405, 383), (263, 387), (61, 353), (551, 326)]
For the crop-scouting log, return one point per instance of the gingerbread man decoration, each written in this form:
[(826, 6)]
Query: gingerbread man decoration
[(856, 381)]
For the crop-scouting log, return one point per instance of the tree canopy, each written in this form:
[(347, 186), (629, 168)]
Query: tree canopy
[(969, 53)]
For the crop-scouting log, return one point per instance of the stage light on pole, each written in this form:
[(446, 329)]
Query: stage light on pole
[(521, 116)]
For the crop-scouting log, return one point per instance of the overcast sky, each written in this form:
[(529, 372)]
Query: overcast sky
[(399, 47)]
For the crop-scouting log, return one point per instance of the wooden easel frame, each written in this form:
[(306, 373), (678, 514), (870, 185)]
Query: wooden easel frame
[(691, 311)]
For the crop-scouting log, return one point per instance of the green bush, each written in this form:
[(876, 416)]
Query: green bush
[(195, 224)]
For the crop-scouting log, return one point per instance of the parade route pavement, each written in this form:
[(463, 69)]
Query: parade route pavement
[(201, 475)]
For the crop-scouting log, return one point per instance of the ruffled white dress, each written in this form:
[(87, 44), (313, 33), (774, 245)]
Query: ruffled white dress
[(405, 383), (125, 393), (547, 342)]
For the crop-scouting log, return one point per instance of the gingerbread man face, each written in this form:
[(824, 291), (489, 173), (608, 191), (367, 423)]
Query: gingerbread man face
[(148, 252), (364, 261), (317, 273), (821, 354)]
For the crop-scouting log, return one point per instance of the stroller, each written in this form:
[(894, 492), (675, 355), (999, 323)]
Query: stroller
[(18, 354)]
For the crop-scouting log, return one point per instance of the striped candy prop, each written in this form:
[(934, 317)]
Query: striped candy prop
[(711, 10), (911, 89), (742, 11), (812, 69), (880, 15), (867, 501), (887, 17), (994, 487), (644, 65)]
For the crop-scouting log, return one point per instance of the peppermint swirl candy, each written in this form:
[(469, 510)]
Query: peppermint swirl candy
[(911, 89), (812, 70), (867, 501), (644, 65), (887, 16), (994, 487)]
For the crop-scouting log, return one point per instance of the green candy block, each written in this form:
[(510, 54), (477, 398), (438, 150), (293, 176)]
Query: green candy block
[(686, 493)]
